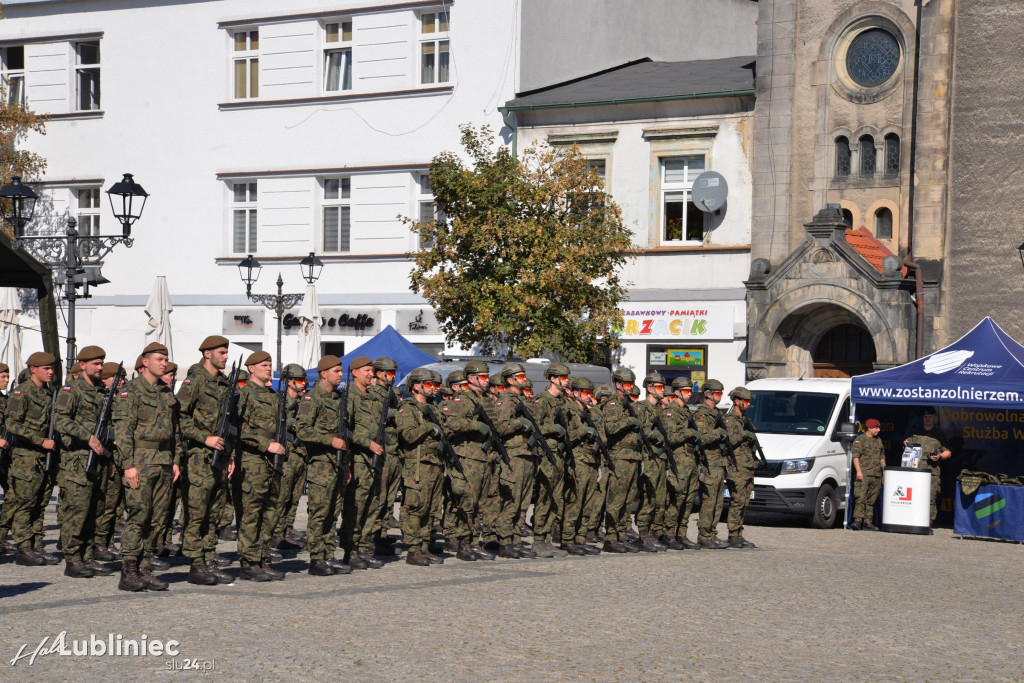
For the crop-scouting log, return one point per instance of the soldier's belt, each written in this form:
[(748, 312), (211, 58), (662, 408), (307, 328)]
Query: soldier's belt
[(164, 445)]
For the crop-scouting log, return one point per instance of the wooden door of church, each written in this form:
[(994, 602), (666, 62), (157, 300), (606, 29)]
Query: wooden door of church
[(844, 351)]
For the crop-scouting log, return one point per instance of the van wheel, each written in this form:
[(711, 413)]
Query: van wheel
[(825, 508)]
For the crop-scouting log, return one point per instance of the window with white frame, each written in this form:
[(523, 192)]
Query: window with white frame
[(245, 64), (435, 48), (87, 75), (681, 220), (428, 211), (243, 217), (12, 70), (88, 202), (338, 55), (337, 214)]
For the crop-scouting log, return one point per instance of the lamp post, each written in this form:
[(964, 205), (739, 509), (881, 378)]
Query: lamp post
[(77, 255), (249, 270)]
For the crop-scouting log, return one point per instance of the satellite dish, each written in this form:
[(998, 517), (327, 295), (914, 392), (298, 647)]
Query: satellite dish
[(709, 191)]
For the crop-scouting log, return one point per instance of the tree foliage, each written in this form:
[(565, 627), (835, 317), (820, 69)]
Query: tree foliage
[(526, 254), (16, 123)]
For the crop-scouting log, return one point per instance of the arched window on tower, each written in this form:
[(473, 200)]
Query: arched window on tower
[(848, 219), (883, 224), (867, 156), (842, 157), (892, 155)]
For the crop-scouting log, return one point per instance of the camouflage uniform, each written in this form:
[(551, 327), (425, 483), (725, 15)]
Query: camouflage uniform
[(422, 472), (361, 505), (111, 487), (932, 441), (547, 511), (5, 507), (871, 454), (581, 489), (145, 437), (467, 488), (391, 467), (201, 400), (78, 411), (516, 485), (739, 478), (624, 448), (281, 518), (682, 487), (650, 516), (28, 419), (316, 425), (710, 438), (257, 410)]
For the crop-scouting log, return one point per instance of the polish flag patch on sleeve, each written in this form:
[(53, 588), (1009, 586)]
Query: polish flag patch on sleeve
[(124, 395), (66, 388)]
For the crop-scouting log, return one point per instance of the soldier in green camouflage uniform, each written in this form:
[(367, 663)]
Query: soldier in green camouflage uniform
[(282, 517), (165, 545), (28, 420), (624, 445), (360, 506), (453, 384), (582, 489), (934, 449), (79, 404), (423, 465), (384, 370), (316, 424), (259, 485), (650, 516), (706, 419), (5, 510), (868, 463), (740, 476), (201, 398), (468, 436), (516, 486), (547, 510), (682, 487), (501, 474), (145, 435), (111, 484)]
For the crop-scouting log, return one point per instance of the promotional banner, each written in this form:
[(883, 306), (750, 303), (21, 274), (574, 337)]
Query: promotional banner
[(677, 321), (991, 511)]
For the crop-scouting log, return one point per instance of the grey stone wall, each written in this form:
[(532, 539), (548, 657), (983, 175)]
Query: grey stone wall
[(566, 39)]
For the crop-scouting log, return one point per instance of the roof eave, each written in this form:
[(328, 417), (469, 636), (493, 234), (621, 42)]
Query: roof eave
[(747, 92)]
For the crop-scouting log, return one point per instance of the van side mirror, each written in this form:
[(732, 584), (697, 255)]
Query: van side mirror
[(846, 431)]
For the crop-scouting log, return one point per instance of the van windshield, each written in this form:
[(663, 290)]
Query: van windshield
[(791, 412)]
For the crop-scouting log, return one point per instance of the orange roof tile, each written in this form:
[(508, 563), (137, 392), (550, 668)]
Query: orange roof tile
[(873, 251)]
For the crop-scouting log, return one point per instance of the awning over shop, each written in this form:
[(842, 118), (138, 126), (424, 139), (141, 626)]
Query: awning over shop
[(19, 269)]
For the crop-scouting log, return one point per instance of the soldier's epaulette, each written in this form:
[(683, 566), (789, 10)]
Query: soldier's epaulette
[(66, 388)]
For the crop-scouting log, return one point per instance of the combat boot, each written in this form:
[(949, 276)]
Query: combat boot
[(686, 543), (647, 543), (856, 526), (465, 552), (434, 559), (339, 566), (713, 544), (613, 546), (48, 558), (371, 561), (200, 575), (253, 572), (589, 549), (274, 554), (525, 551), (356, 561), (868, 526), (451, 544), (572, 549), (221, 575), (591, 537), (660, 547), (740, 542), (630, 545), (105, 553), (508, 551), (130, 579), (7, 546), (417, 559), (152, 582), (287, 543), (158, 564), (29, 558), (98, 568), (543, 549), (381, 548), (670, 542), (320, 568), (220, 560), (482, 552), (274, 574), (77, 569)]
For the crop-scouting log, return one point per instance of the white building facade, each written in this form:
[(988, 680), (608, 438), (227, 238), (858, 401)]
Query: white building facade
[(258, 127)]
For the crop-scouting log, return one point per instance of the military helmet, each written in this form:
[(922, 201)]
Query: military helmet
[(654, 378), (712, 385), (293, 371), (681, 383), (475, 367), (602, 392), (740, 393), (496, 381), (385, 364), (582, 384), (623, 375), (528, 384), (243, 375), (418, 376), (511, 369), (455, 377), (435, 376), (556, 370), (445, 391), (635, 391)]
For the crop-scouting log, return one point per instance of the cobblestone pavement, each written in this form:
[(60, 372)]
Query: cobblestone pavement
[(807, 604)]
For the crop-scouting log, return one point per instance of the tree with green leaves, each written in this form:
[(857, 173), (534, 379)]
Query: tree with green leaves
[(526, 254), (16, 123)]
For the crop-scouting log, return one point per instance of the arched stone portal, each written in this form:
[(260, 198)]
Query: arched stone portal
[(826, 340)]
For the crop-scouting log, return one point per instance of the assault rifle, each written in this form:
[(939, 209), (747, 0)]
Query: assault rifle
[(281, 428), (92, 465), (343, 433), (570, 459), (758, 451), (5, 455), (446, 445), (601, 446), (522, 411), (698, 450), (660, 426), (499, 445), (219, 459), (726, 444), (648, 446), (387, 403), (53, 455)]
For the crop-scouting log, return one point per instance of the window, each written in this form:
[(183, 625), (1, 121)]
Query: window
[(243, 218), (883, 224), (428, 212), (88, 217), (246, 64), (842, 157), (873, 57), (337, 214), (892, 155), (87, 77), (848, 219), (338, 56), (681, 219), (435, 54), (12, 70), (867, 156)]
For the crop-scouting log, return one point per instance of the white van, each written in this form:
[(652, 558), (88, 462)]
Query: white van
[(799, 425)]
